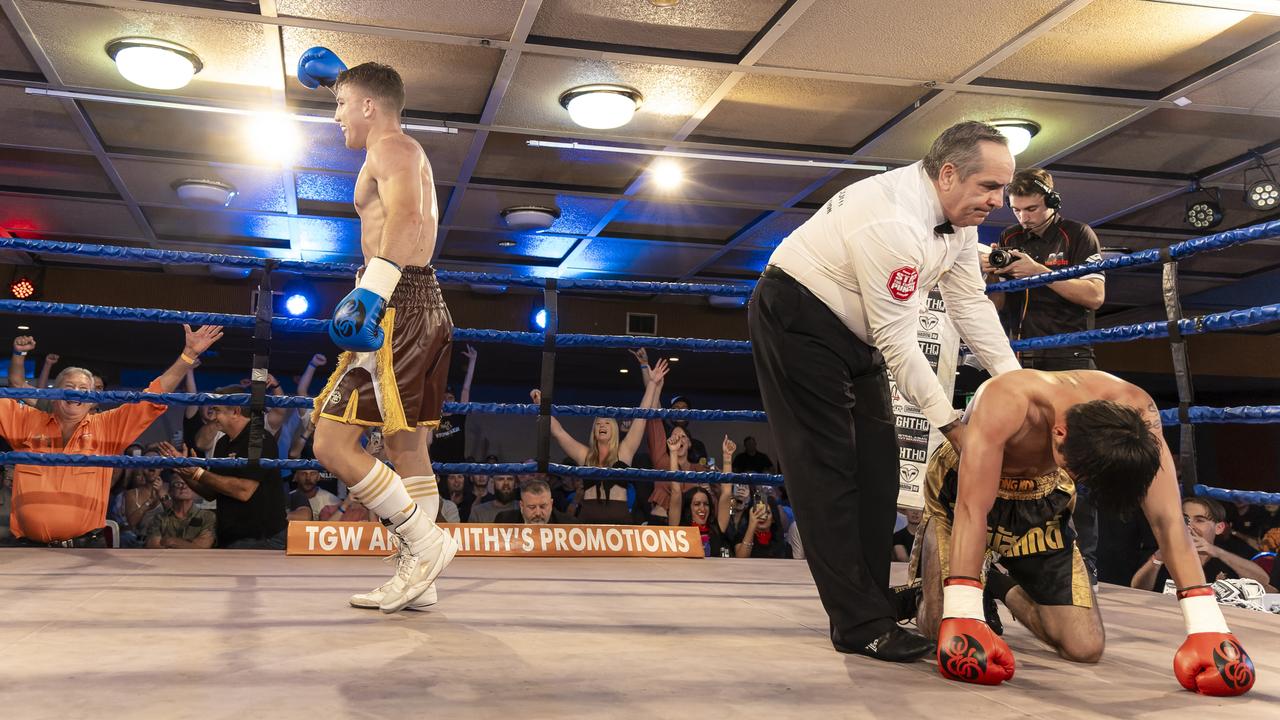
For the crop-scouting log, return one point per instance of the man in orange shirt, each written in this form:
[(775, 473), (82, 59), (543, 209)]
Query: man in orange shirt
[(67, 506)]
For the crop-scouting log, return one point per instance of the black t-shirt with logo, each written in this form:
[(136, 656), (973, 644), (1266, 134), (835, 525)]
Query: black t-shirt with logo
[(1040, 311), (263, 515), (449, 441)]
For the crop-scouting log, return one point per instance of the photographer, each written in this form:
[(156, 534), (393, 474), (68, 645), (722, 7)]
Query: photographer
[(1043, 241)]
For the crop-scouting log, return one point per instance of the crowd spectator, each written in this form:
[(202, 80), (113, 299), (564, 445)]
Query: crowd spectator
[(449, 439), (457, 491), (180, 524), (142, 500), (696, 507), (764, 536), (504, 498), (346, 510), (1206, 519), (606, 501), (904, 539), (535, 508), (67, 506), (751, 460), (309, 496), (251, 502), (6, 503)]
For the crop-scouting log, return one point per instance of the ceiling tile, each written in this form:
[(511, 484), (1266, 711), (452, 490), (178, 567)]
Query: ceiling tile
[(1062, 124), (672, 221), (72, 217), (738, 264), (1177, 141), (736, 182), (13, 54), (1088, 199), (636, 257), (182, 225), (508, 157), (150, 181), (238, 64), (828, 190), (493, 19), (441, 79), (720, 28), (671, 93), (37, 121), (804, 112), (40, 170), (1252, 85), (482, 208), (870, 38), (465, 245), (771, 231), (1135, 44), (325, 235)]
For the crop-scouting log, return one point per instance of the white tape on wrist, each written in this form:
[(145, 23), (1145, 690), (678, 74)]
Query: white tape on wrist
[(1202, 614), (962, 601), (380, 277)]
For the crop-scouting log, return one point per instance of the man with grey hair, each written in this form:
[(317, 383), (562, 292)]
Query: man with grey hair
[(838, 302), (67, 506), (535, 508)]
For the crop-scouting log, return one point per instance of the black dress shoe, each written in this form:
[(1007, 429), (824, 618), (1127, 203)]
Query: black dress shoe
[(896, 645)]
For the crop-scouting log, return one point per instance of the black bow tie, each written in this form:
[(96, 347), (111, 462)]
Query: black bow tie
[(944, 229)]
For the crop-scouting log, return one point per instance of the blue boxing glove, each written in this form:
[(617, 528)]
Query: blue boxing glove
[(356, 322), (319, 66)]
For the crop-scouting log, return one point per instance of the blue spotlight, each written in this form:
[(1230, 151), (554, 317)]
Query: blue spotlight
[(297, 304), (540, 319)]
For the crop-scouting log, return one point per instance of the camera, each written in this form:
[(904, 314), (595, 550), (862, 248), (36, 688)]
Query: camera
[(1002, 257)]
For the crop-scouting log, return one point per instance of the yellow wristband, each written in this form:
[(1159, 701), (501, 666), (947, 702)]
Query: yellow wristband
[(199, 473), (188, 359)]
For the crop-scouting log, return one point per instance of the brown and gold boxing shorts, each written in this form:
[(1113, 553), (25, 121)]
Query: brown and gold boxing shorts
[(1028, 530), (401, 385)]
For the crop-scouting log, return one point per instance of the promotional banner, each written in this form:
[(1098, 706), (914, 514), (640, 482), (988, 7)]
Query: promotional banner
[(916, 439), (484, 539)]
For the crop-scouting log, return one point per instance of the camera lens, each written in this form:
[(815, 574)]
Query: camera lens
[(1000, 258)]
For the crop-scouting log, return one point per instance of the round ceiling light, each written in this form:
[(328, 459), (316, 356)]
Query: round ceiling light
[(156, 64), (601, 107), (1018, 132), (530, 217), (202, 193), (1263, 195)]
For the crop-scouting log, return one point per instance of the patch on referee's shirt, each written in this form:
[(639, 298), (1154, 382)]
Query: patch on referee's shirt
[(903, 282)]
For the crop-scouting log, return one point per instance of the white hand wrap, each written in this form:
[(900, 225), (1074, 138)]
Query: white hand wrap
[(380, 277)]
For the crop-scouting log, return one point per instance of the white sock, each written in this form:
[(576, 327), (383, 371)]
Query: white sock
[(384, 493), (425, 492)]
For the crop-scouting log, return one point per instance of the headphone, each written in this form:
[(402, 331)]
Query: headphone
[(1052, 199)]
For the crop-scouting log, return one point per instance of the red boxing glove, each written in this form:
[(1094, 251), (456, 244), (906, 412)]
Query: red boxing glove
[(1211, 660), (968, 650)]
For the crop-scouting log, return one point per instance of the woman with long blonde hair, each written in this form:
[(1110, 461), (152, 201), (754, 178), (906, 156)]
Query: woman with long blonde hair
[(605, 502)]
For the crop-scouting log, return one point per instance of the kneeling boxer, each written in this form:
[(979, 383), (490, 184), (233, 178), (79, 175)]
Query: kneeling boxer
[(1009, 494)]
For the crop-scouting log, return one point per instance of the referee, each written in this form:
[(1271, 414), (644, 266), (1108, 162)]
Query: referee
[(838, 302)]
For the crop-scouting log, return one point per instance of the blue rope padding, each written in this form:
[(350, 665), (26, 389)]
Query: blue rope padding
[(175, 257), (1243, 415), (1253, 497), (126, 396), (1189, 326), (1177, 251)]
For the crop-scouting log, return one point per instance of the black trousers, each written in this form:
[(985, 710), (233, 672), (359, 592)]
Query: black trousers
[(1085, 515), (827, 396)]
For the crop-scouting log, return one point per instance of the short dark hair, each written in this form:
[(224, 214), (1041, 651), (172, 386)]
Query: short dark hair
[(1024, 182), (1211, 506), (536, 486), (232, 390), (960, 145), (381, 81), (1111, 450)]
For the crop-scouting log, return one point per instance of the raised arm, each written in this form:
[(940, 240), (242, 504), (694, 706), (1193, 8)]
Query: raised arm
[(574, 449), (22, 345), (196, 342), (304, 380), (46, 369), (653, 388), (470, 353), (191, 410)]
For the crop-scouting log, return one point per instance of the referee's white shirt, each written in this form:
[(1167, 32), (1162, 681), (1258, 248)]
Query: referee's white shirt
[(871, 255)]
